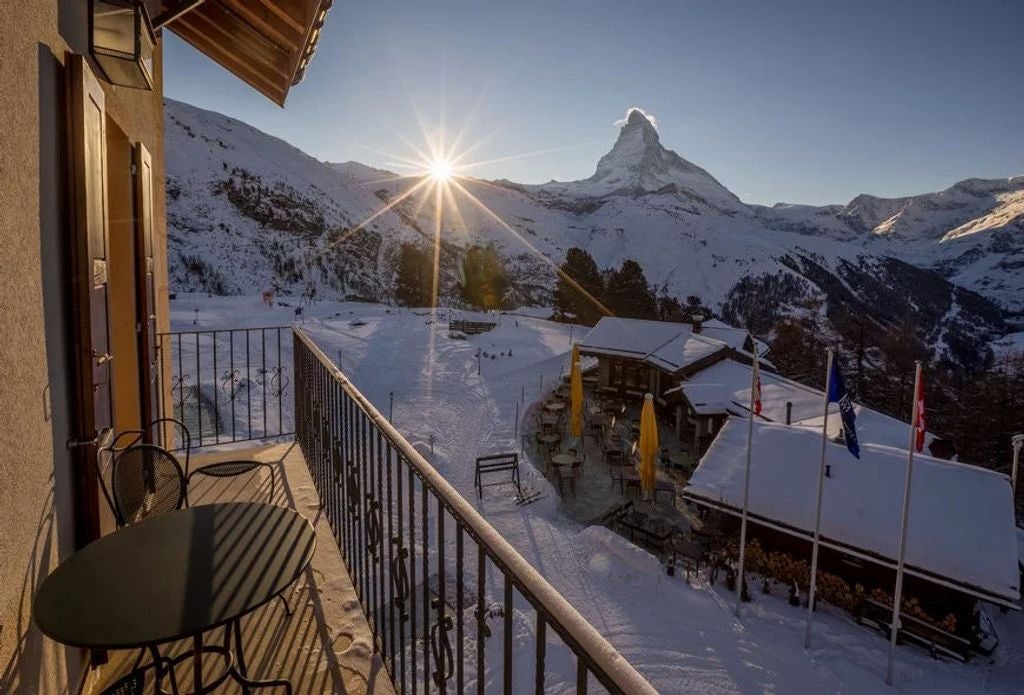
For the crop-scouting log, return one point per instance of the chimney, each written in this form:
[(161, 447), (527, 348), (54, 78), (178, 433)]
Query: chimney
[(696, 321)]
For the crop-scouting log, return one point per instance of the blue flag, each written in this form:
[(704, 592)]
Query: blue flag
[(837, 393)]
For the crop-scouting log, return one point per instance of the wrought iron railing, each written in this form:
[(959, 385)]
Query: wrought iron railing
[(432, 575), (229, 385)]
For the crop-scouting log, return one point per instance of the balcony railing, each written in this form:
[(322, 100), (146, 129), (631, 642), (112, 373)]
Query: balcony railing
[(229, 385), (433, 576)]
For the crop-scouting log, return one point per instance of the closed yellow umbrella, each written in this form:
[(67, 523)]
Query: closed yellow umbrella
[(576, 395), (648, 445)]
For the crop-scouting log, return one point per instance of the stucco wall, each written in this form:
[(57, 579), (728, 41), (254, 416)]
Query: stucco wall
[(35, 494)]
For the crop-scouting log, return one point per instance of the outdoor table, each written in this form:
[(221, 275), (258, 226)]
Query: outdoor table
[(549, 439), (175, 576), (653, 532), (680, 459), (563, 459)]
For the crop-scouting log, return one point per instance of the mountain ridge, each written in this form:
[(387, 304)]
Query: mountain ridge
[(247, 211)]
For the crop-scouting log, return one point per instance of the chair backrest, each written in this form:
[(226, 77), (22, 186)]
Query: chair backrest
[(146, 480), (181, 438)]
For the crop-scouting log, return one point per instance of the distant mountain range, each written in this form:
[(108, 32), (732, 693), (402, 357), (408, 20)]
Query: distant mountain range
[(247, 211)]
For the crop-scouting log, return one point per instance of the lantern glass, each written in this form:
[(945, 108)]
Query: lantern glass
[(122, 42)]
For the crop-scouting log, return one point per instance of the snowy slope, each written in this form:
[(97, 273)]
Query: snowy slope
[(247, 211), (972, 232)]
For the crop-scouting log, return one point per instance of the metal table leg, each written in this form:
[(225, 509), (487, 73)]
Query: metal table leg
[(197, 663), (240, 672)]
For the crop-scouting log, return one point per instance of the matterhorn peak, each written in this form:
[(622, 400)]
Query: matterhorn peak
[(638, 164), (638, 117)]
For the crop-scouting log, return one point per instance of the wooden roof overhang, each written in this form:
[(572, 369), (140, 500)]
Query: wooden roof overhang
[(266, 43)]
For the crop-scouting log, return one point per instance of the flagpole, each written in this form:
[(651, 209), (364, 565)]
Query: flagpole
[(898, 595), (817, 514), (746, 487)]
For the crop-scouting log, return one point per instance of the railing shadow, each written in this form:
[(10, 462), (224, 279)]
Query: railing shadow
[(22, 671)]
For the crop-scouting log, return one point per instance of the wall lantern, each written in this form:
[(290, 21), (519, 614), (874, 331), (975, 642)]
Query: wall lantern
[(121, 40)]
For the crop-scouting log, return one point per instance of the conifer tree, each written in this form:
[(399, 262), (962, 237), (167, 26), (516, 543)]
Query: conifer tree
[(484, 279), (628, 295), (414, 281), (579, 288)]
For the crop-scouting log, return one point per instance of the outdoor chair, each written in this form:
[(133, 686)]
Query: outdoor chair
[(567, 474), (134, 682), (180, 436), (617, 472), (145, 480), (220, 469), (665, 487)]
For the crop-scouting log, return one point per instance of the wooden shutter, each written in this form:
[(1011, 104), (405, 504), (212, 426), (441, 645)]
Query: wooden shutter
[(145, 283), (93, 407)]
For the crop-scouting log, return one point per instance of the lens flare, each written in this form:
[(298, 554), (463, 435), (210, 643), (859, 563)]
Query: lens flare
[(441, 170), (435, 173)]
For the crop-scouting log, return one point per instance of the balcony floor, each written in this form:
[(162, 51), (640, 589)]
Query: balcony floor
[(326, 645)]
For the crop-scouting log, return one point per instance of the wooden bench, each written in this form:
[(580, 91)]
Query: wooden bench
[(934, 639), (497, 464), (471, 327)]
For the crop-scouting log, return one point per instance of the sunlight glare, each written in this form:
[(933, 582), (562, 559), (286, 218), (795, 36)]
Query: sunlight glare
[(440, 170)]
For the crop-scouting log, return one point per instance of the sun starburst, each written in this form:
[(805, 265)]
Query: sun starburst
[(441, 170), (436, 177)]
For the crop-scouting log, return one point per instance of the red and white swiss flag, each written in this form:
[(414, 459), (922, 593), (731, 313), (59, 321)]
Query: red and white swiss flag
[(919, 419), (755, 395)]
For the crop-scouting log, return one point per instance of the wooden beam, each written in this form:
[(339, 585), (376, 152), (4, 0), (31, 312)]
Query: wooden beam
[(241, 40), (175, 11), (231, 62), (289, 18), (266, 23)]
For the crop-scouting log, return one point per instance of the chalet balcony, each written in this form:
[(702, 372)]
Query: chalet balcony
[(409, 589), (326, 644)]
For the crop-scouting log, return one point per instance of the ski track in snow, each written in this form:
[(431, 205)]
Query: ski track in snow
[(682, 637)]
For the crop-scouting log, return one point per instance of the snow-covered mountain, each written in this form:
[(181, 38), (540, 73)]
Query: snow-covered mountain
[(972, 233), (637, 165), (247, 211)]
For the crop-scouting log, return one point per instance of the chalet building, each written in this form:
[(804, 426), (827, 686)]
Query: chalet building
[(961, 539), (83, 294), (636, 356), (709, 397)]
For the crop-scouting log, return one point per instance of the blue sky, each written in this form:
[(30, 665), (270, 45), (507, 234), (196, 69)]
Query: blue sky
[(810, 102)]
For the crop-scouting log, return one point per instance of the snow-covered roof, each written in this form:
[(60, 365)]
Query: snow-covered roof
[(961, 517), (724, 388), (683, 350), (665, 345), (735, 337), (634, 337)]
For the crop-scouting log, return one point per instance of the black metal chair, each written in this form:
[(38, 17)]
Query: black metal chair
[(220, 469), (145, 480), (134, 682)]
